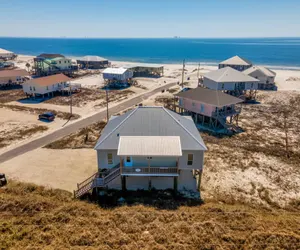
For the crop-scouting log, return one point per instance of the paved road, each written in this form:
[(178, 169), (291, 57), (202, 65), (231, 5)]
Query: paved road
[(42, 141)]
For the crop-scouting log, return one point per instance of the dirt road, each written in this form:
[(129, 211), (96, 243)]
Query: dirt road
[(42, 141)]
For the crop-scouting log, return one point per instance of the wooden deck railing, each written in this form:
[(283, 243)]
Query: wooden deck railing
[(87, 181), (149, 171)]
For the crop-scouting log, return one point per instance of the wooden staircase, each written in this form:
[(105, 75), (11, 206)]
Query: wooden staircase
[(95, 181)]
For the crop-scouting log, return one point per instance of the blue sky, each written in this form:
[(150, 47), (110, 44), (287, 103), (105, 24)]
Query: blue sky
[(150, 18)]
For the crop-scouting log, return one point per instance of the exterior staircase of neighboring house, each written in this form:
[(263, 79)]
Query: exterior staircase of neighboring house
[(221, 117), (97, 180)]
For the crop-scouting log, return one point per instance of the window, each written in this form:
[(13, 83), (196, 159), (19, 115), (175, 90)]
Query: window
[(202, 108), (47, 88), (59, 62), (109, 158), (65, 61), (222, 85), (30, 88), (33, 88), (128, 159), (251, 85), (149, 158), (190, 159), (180, 101), (193, 104)]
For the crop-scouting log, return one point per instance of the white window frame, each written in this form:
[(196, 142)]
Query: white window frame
[(190, 161), (112, 159)]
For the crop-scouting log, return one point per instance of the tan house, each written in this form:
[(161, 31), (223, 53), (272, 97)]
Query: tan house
[(265, 76), (10, 77), (46, 85)]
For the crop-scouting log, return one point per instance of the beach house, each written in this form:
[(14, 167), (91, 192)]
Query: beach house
[(117, 75), (265, 76), (237, 63), (47, 85), (11, 77), (230, 81), (148, 147), (211, 110), (93, 62), (49, 64), (146, 70), (7, 55)]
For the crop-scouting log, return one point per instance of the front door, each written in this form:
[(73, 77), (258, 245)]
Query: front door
[(128, 161)]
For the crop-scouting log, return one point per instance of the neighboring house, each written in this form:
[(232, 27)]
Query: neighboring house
[(49, 64), (93, 62), (211, 110), (236, 62), (119, 75), (7, 55), (146, 70), (46, 85), (230, 81), (148, 147), (16, 76), (265, 76)]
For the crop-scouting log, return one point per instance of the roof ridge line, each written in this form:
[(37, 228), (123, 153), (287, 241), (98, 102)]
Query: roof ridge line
[(227, 68), (115, 128), (183, 127)]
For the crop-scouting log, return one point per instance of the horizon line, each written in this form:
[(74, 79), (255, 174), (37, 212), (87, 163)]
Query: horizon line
[(174, 37)]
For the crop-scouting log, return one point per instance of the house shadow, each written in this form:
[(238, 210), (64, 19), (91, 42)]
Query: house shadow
[(32, 100), (159, 199)]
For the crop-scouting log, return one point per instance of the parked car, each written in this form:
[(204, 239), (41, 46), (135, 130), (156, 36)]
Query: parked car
[(3, 180), (49, 116)]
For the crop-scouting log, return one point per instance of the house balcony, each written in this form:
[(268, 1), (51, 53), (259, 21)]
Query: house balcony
[(228, 112), (150, 171)]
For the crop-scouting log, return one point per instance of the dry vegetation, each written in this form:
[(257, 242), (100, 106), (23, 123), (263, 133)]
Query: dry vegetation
[(59, 114), (86, 95), (253, 167), (11, 95), (34, 217), (7, 136), (84, 138)]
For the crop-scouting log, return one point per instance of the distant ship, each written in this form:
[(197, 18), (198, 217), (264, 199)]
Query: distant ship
[(176, 37)]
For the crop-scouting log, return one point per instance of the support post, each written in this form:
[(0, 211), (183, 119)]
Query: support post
[(175, 184), (123, 180), (199, 179)]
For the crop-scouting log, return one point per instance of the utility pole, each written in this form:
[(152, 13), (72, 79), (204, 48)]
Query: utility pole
[(107, 116), (198, 74), (70, 100), (183, 66)]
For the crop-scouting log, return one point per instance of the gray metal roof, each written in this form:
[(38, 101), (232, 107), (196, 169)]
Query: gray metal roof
[(209, 96), (265, 71), (151, 121), (237, 60), (229, 74)]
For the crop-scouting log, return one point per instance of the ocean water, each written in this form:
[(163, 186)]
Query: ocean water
[(274, 52)]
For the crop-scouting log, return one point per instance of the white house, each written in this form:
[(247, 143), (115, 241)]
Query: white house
[(229, 80), (148, 147), (6, 54), (265, 76), (16, 76), (117, 74), (45, 85), (237, 63)]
